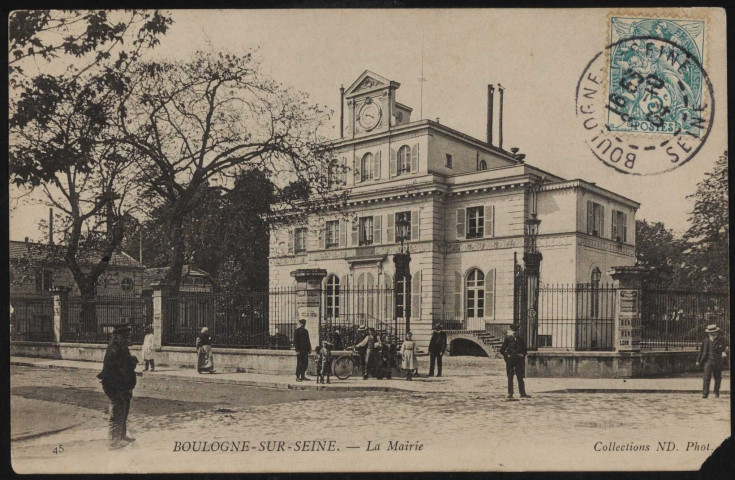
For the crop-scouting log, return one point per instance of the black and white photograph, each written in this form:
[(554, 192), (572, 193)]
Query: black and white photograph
[(368, 240)]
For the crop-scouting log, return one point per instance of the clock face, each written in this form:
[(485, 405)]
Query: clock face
[(370, 115)]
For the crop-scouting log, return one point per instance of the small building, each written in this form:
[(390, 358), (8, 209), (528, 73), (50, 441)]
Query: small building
[(460, 204), (36, 268), (193, 280)]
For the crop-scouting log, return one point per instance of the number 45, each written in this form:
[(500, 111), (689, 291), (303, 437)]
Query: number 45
[(59, 449)]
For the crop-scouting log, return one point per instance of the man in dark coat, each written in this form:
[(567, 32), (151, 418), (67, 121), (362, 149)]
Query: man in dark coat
[(302, 345), (714, 350), (437, 347), (337, 340), (118, 381), (513, 351)]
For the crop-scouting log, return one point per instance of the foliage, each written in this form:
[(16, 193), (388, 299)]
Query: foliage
[(210, 119), (62, 137), (658, 249)]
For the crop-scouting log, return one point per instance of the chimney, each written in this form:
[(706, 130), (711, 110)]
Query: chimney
[(437, 119), (490, 95), (50, 226), (500, 119), (26, 239), (341, 111)]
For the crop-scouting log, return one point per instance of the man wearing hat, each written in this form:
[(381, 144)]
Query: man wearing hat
[(118, 381), (437, 347), (714, 349), (513, 351), (302, 345)]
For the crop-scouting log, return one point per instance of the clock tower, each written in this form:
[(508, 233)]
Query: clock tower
[(372, 107)]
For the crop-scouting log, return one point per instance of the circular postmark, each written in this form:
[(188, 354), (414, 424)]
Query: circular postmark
[(645, 104)]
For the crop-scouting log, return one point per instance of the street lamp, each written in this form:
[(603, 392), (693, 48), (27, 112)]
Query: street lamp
[(532, 225), (403, 228)]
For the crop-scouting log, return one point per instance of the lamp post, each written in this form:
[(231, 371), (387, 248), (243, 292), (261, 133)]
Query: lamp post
[(532, 260), (402, 279)]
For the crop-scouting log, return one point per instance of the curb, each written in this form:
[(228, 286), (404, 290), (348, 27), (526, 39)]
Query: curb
[(626, 390), (30, 436)]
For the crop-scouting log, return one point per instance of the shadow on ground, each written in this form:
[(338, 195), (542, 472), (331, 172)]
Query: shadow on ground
[(97, 400)]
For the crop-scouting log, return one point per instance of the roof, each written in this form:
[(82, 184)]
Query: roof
[(154, 274), (34, 251)]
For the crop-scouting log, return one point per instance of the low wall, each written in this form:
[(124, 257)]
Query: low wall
[(236, 359), (610, 364)]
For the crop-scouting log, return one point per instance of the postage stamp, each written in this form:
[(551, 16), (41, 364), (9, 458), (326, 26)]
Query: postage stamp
[(645, 102), (673, 85)]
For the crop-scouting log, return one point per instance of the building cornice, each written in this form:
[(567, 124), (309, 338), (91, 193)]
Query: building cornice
[(579, 183)]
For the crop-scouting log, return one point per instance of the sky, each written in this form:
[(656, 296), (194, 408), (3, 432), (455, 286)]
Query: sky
[(537, 55)]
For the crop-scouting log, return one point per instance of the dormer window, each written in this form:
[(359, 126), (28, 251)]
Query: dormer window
[(449, 161), (482, 165)]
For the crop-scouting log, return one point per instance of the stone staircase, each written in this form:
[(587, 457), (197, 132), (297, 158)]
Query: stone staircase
[(492, 337)]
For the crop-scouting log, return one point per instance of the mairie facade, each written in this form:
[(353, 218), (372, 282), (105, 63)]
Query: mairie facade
[(460, 205)]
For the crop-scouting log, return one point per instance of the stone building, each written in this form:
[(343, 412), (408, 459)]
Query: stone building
[(460, 204)]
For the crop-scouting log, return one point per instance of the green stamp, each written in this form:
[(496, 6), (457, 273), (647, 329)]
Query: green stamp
[(656, 82)]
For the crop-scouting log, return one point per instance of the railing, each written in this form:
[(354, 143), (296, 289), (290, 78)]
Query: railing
[(576, 317), (91, 320), (32, 318), (676, 319), (347, 309), (252, 320), (450, 321)]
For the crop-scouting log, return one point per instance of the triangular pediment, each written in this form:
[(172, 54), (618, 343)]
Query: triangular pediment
[(368, 81)]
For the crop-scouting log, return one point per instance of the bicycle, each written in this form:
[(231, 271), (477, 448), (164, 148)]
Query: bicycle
[(344, 366)]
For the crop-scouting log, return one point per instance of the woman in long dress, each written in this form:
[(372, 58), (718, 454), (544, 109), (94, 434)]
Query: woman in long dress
[(205, 363), (408, 356)]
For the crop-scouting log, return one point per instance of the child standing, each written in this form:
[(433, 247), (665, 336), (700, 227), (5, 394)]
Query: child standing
[(408, 356), (326, 369), (148, 349), (319, 363)]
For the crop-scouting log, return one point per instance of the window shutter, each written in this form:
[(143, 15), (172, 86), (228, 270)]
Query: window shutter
[(390, 229), (457, 295), (461, 220), (343, 175), (290, 241), (489, 221), (625, 227), (601, 222), (393, 163), (614, 233), (590, 218), (415, 225), (322, 235), (376, 228), (342, 233), (355, 232), (376, 168), (416, 296), (490, 294), (415, 158)]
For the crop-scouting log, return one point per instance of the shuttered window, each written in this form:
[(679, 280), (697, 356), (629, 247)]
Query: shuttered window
[(619, 226), (299, 240), (404, 160), (595, 219), (332, 234), (475, 294), (475, 222)]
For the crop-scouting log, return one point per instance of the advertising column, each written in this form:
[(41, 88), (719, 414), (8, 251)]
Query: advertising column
[(308, 299)]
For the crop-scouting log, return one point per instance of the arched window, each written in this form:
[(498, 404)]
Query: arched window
[(404, 159), (332, 292), (475, 294), (367, 171), (482, 165)]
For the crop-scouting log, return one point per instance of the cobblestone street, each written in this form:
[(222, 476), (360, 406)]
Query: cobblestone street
[(457, 430)]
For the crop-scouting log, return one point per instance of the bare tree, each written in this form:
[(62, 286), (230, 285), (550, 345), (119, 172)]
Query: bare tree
[(204, 121)]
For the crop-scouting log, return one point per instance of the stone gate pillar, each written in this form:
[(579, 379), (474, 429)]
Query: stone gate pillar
[(61, 310), (309, 299), (627, 327), (161, 318)]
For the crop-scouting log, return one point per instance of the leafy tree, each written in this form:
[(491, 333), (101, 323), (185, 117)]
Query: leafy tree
[(211, 119), (62, 139), (706, 260), (658, 249)]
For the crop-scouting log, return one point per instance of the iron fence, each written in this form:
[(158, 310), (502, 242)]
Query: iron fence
[(91, 320), (32, 318), (676, 319), (576, 317), (251, 320), (346, 309)]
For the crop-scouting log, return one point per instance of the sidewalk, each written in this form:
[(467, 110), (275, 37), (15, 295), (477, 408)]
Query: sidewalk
[(485, 377)]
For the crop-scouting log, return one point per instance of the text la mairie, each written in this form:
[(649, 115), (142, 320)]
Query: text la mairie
[(460, 205)]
